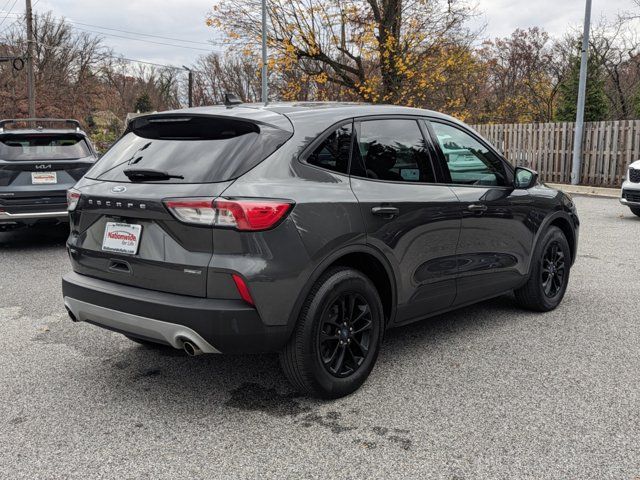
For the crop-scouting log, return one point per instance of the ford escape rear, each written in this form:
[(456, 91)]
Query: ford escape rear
[(306, 229)]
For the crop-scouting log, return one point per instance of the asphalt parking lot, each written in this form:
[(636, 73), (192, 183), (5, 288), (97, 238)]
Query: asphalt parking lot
[(485, 392)]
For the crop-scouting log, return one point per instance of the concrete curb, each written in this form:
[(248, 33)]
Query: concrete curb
[(587, 190)]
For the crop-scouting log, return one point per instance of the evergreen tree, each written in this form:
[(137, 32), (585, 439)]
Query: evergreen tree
[(143, 103), (636, 103), (596, 106)]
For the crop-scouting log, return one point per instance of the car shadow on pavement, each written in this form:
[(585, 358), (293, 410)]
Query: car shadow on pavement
[(256, 383)]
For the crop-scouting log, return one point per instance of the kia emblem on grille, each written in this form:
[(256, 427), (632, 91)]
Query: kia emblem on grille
[(119, 189)]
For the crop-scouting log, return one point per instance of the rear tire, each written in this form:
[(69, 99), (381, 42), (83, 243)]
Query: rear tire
[(336, 341), (635, 211), (549, 276)]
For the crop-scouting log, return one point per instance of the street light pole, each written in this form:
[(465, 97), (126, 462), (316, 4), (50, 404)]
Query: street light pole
[(31, 88), (265, 85), (582, 88), (190, 85)]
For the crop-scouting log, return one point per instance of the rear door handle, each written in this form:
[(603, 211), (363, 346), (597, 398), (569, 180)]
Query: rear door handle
[(477, 207), (387, 212)]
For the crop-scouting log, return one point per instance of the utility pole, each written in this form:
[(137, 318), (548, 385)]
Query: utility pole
[(265, 85), (190, 85), (31, 87), (582, 88)]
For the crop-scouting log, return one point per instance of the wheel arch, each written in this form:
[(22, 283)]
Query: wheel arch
[(563, 221), (564, 224), (362, 258)]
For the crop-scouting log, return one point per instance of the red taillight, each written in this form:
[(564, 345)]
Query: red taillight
[(245, 215), (73, 197), (250, 214), (243, 290), (198, 211)]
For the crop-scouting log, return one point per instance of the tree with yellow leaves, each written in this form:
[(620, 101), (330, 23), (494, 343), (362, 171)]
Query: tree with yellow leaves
[(382, 51)]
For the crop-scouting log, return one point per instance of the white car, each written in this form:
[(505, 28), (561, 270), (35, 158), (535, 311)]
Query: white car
[(631, 188), (630, 195)]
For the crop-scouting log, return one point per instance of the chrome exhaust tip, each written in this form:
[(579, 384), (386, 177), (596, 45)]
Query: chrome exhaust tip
[(191, 349)]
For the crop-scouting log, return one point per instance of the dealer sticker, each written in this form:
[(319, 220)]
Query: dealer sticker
[(121, 238)]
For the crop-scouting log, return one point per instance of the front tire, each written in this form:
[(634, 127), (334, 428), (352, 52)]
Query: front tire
[(549, 276), (635, 211), (337, 338)]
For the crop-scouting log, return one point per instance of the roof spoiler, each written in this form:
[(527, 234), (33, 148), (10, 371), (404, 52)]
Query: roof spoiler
[(38, 121)]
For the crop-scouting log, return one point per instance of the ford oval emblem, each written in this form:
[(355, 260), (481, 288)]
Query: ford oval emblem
[(119, 189)]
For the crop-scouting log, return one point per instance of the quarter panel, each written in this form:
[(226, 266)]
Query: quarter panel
[(278, 264)]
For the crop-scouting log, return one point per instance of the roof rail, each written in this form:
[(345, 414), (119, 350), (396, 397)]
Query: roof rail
[(9, 121)]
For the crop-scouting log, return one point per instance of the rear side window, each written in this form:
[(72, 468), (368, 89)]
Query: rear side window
[(392, 149), (189, 149), (43, 147), (333, 153)]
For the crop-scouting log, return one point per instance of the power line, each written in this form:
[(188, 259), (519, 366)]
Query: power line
[(11, 24), (142, 40), (138, 33), (4, 7), (162, 37), (131, 60), (145, 62), (9, 12), (63, 20)]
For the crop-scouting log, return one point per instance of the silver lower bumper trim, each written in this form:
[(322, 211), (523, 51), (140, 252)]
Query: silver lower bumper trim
[(24, 216), (626, 202), (171, 333)]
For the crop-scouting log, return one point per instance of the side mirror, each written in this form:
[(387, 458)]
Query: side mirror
[(525, 178)]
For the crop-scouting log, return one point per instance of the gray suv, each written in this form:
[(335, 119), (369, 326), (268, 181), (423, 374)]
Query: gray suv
[(40, 159), (307, 229)]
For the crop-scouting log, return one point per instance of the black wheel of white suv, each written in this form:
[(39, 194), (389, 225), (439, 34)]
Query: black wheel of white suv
[(549, 275), (635, 211), (337, 338)]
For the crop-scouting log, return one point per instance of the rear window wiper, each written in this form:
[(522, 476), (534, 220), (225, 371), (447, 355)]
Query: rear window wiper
[(141, 175)]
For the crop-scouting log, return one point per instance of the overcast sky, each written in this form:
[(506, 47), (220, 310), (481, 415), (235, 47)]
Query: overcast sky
[(185, 19)]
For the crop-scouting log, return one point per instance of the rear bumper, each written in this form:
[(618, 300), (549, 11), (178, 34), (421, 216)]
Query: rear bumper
[(61, 215), (214, 325)]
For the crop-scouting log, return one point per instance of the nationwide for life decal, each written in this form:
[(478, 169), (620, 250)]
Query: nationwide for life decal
[(121, 238)]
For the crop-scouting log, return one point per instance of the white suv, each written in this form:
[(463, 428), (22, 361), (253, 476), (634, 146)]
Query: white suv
[(631, 188)]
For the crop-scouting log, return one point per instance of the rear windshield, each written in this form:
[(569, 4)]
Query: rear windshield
[(189, 149), (43, 147)]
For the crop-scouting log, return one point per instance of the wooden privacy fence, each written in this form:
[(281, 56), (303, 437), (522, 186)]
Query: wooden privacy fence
[(607, 149)]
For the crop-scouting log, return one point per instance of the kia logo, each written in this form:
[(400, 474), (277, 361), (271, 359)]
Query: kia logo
[(119, 189), (43, 167)]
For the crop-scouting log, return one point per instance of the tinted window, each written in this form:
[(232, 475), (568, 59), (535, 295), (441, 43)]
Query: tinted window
[(198, 149), (333, 152), (469, 162), (392, 150), (43, 147)]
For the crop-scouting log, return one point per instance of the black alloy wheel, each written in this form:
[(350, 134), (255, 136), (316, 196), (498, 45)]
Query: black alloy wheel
[(549, 275), (344, 337), (337, 338), (553, 270)]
